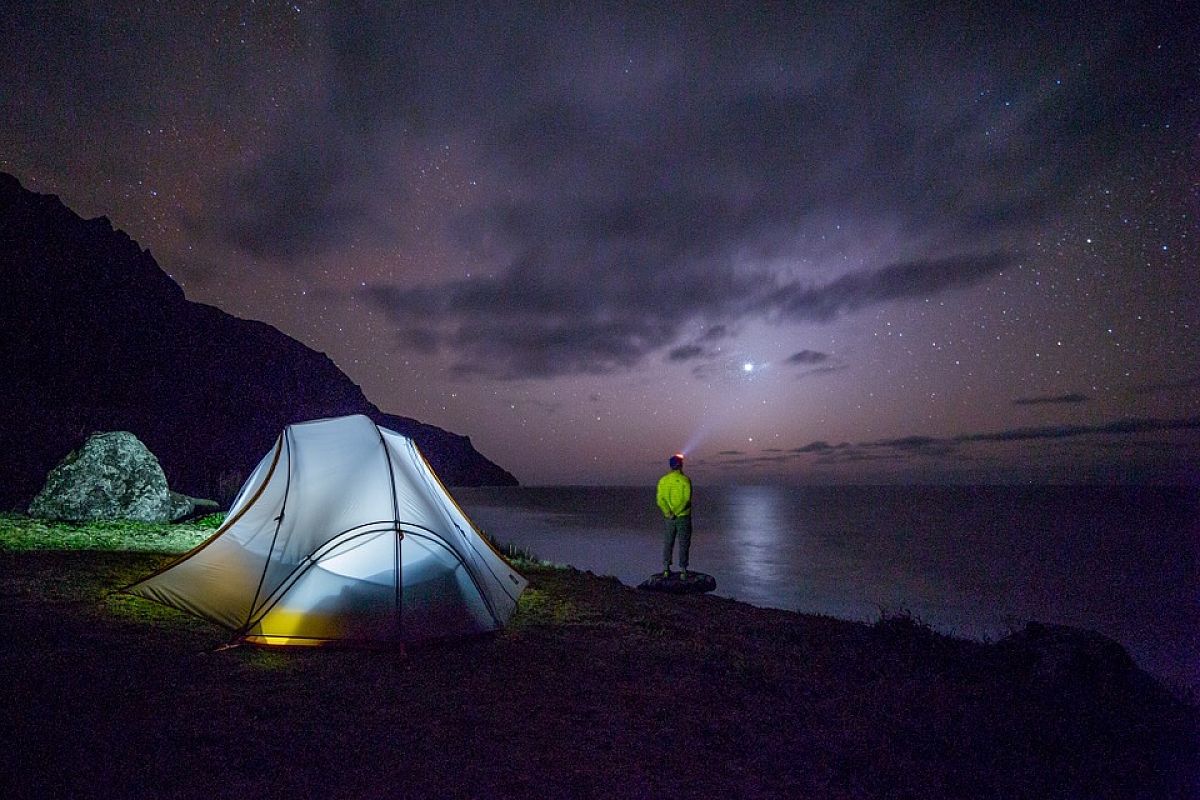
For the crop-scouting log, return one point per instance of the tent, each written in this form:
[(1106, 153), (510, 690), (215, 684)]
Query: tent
[(343, 533)]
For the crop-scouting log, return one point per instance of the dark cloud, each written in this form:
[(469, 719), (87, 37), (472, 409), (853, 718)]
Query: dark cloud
[(1121, 426), (294, 202), (905, 443), (714, 370), (1153, 446), (924, 278), (742, 461), (913, 448), (1051, 400), (807, 357), (685, 353), (855, 455), (700, 348), (927, 445), (535, 321), (659, 163), (916, 445), (500, 331), (814, 447), (679, 128)]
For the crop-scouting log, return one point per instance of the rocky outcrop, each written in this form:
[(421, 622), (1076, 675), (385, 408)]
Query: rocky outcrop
[(95, 336), (112, 476)]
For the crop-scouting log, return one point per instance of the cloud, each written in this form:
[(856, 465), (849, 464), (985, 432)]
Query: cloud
[(806, 357), (854, 455), (911, 279), (535, 321), (700, 348), (719, 370), (685, 353), (916, 446), (1131, 425), (291, 203), (933, 446), (1050, 400), (813, 362), (906, 443), (617, 175), (912, 448), (769, 118)]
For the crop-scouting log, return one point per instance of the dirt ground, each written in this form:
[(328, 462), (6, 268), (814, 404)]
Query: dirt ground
[(594, 690)]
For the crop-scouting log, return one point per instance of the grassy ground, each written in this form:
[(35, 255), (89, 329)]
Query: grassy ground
[(594, 690), (19, 532)]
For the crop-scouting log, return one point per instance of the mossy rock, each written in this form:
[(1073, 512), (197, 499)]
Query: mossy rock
[(112, 476)]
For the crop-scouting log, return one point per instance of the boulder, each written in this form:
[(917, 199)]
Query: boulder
[(112, 476)]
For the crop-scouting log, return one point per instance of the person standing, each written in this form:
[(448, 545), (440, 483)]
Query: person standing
[(675, 501)]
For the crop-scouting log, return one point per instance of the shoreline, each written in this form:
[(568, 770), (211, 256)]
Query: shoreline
[(594, 689), (977, 564)]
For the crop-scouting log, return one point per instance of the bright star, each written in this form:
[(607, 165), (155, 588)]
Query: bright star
[(747, 367)]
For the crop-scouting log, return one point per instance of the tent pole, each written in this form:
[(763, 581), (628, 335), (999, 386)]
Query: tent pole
[(287, 488), (399, 533)]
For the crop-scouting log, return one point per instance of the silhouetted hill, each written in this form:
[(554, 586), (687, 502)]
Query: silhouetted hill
[(95, 336)]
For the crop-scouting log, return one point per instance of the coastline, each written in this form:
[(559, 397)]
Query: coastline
[(593, 689)]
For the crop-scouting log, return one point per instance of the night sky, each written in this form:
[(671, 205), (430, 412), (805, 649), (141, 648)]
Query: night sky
[(852, 242)]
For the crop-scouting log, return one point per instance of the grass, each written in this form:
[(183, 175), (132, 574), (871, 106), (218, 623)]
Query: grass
[(520, 557), (21, 533), (593, 689)]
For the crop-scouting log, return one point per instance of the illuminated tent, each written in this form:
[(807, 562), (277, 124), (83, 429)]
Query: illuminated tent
[(343, 533)]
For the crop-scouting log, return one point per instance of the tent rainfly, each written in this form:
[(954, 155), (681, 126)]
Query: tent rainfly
[(343, 533)]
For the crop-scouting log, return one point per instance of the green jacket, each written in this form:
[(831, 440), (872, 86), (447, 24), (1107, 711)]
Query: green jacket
[(675, 494)]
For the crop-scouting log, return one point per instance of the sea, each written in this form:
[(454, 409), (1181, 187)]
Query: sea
[(970, 561)]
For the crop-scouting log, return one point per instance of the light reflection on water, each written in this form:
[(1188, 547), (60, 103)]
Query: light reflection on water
[(969, 560), (754, 534)]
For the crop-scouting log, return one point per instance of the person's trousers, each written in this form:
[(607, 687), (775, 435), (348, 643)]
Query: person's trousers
[(677, 528)]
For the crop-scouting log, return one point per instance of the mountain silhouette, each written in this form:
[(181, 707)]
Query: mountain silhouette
[(95, 336)]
